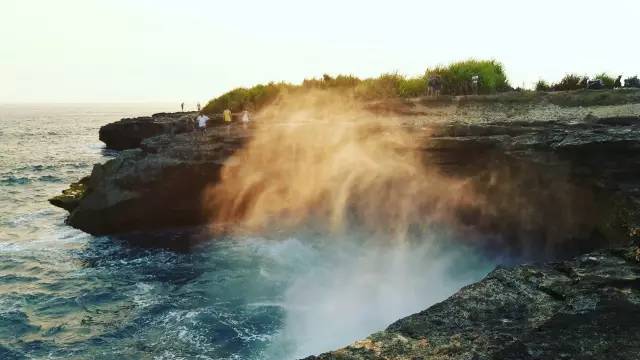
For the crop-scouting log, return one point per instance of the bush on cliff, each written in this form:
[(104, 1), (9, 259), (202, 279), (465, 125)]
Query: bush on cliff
[(542, 85), (242, 98), (456, 77), (632, 82), (570, 82), (329, 82), (607, 80), (456, 80)]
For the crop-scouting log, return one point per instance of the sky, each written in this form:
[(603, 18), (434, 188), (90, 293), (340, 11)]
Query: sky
[(194, 50)]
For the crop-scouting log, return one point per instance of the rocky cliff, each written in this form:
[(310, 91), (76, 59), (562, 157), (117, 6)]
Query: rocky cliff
[(559, 180), (586, 308), (129, 133), (157, 185), (586, 163)]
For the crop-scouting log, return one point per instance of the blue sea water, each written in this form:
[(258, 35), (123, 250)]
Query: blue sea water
[(65, 294)]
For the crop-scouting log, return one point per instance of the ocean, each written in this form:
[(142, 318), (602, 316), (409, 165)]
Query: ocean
[(65, 294)]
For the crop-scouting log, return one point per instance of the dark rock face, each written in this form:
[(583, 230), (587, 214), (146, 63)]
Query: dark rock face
[(156, 186), (129, 133), (587, 308), (70, 198), (565, 163)]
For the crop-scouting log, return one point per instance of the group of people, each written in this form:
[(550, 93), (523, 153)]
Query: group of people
[(202, 120), (182, 107)]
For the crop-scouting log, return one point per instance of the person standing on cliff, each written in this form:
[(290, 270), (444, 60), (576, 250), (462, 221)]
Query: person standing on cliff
[(226, 115), (202, 120), (182, 107), (475, 84), (245, 119)]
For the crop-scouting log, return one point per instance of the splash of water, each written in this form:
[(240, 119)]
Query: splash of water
[(320, 158)]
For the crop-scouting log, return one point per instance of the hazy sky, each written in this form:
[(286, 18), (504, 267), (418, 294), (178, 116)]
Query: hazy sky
[(192, 50)]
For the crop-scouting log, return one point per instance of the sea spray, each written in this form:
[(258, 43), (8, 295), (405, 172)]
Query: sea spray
[(320, 159)]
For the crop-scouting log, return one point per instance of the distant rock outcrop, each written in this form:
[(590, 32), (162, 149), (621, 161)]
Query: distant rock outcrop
[(129, 133)]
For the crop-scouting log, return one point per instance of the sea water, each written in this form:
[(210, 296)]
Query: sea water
[(65, 294)]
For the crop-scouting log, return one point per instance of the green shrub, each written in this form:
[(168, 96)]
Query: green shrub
[(242, 98), (328, 82), (383, 87), (632, 82), (569, 82), (542, 85), (456, 77), (456, 80), (412, 87), (607, 80)]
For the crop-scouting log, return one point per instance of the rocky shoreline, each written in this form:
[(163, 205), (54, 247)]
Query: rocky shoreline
[(576, 169), (586, 308)]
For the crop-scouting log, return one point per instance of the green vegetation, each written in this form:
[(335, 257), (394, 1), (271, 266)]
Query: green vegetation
[(456, 80), (242, 98), (576, 82), (570, 82), (607, 80), (542, 85), (632, 82)]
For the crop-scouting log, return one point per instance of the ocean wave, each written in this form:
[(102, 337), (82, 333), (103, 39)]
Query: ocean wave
[(13, 278), (14, 324), (15, 180), (50, 178)]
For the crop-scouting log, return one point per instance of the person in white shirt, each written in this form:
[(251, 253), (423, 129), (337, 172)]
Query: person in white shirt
[(201, 122), (245, 118)]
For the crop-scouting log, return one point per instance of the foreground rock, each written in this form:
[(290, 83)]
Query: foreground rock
[(587, 308), (158, 185), (129, 133)]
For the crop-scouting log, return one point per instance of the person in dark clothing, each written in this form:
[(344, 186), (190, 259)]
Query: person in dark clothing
[(618, 83)]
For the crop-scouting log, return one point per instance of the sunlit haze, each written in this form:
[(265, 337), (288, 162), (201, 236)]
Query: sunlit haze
[(143, 50)]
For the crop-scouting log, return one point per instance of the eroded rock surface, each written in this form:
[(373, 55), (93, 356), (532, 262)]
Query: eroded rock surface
[(129, 133), (587, 308), (158, 185)]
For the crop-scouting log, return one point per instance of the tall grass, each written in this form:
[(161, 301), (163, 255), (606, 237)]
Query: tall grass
[(570, 82), (607, 80), (576, 82), (456, 77), (456, 80), (632, 82), (246, 99), (542, 85)]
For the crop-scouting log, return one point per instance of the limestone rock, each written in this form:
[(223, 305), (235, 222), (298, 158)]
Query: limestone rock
[(587, 308), (129, 133)]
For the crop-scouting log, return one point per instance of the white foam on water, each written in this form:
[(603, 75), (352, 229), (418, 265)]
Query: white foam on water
[(348, 289)]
